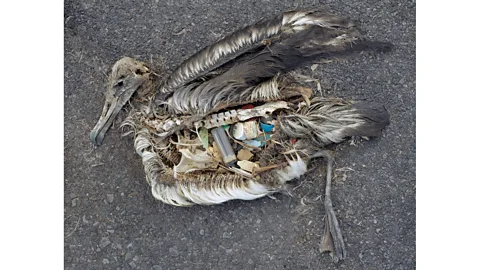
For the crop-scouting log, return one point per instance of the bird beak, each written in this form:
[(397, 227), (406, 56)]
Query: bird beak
[(113, 104)]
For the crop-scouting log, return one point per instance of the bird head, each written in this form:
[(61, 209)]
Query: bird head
[(128, 76)]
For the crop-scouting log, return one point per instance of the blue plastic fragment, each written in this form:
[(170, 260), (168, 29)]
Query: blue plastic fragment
[(266, 127), (253, 143), (263, 139)]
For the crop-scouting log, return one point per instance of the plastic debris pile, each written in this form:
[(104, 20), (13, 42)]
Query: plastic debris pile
[(232, 147)]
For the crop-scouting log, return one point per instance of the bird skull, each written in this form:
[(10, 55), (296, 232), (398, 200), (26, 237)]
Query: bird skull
[(128, 76)]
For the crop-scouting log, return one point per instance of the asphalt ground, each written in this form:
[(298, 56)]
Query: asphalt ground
[(113, 222)]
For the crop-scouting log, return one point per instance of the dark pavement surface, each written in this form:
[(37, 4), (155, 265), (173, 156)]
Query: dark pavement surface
[(112, 221)]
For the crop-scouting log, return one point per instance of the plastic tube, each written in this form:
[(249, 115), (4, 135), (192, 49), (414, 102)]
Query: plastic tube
[(226, 150)]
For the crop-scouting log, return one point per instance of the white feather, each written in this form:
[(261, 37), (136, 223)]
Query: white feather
[(168, 194), (220, 193), (295, 169)]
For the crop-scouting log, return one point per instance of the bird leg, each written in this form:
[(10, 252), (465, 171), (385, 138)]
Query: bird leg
[(257, 171), (332, 240)]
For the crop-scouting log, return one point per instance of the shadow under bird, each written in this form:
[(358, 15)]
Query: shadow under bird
[(235, 121)]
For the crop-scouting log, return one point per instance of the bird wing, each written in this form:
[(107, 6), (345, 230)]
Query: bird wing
[(245, 74), (249, 38)]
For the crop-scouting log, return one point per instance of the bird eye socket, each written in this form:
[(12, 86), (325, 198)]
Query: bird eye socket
[(119, 84)]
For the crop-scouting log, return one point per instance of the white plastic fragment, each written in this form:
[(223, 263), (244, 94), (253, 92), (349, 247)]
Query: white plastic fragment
[(247, 165), (238, 132), (251, 129)]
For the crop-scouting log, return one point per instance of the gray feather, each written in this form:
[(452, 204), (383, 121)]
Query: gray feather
[(330, 121), (247, 39), (240, 80)]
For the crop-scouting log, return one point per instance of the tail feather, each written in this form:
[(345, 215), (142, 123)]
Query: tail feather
[(330, 121), (375, 117)]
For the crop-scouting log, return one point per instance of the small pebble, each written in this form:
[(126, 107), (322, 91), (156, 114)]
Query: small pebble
[(173, 251), (156, 267), (104, 242), (250, 261), (110, 198), (132, 264), (105, 261), (202, 232), (128, 256)]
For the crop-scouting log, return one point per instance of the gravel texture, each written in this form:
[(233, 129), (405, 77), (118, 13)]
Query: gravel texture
[(112, 221)]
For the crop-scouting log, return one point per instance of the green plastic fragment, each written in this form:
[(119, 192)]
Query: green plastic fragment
[(203, 133)]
